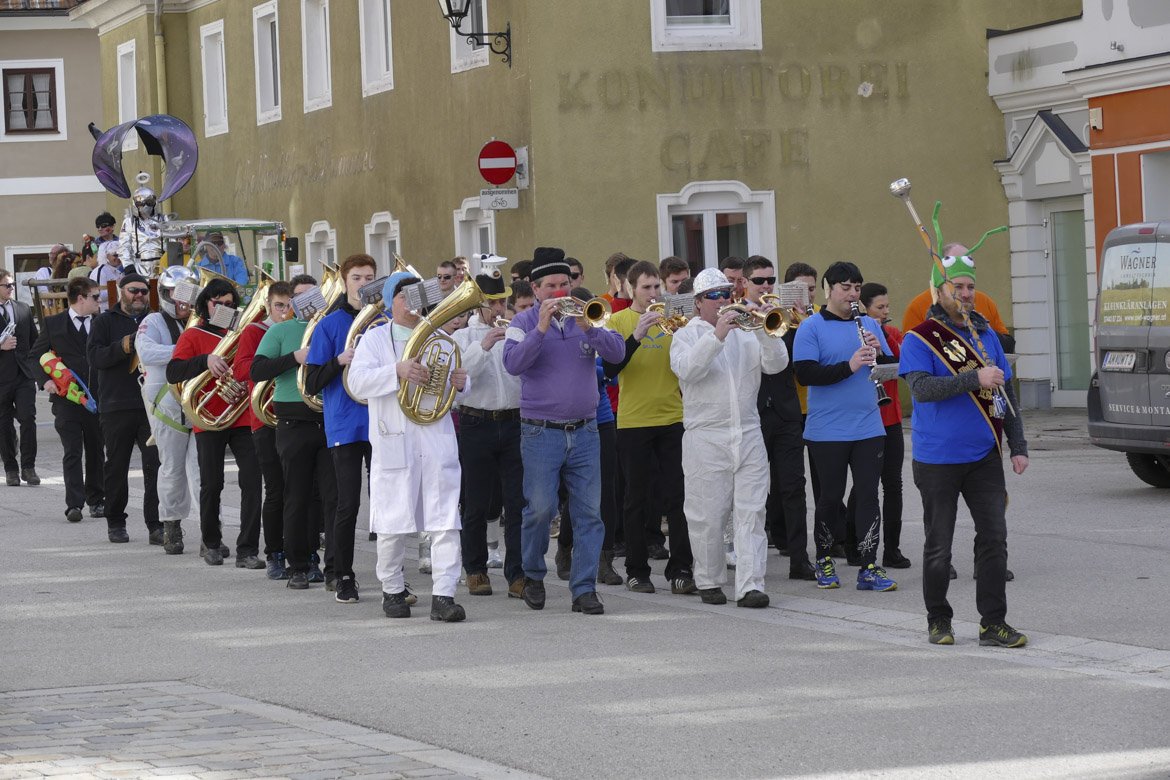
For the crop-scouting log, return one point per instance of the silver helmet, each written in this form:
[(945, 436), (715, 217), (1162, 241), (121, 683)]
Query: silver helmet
[(176, 277), (145, 203)]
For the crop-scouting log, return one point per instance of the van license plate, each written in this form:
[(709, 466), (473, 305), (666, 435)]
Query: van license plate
[(1119, 361)]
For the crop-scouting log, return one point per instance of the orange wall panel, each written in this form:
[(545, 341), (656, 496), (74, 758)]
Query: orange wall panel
[(1129, 187), (1104, 199), (1136, 117)]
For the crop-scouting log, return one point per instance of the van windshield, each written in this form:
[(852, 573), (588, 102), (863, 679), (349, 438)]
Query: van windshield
[(1135, 285)]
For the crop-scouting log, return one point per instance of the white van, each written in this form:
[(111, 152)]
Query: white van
[(1129, 396)]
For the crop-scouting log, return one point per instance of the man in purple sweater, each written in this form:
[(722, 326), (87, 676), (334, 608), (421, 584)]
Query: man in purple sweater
[(555, 360)]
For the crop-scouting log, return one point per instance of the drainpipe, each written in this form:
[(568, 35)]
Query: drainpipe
[(160, 70)]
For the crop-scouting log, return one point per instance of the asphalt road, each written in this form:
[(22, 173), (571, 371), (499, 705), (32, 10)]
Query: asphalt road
[(821, 683)]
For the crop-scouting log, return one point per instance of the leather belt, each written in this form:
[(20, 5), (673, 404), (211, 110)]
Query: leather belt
[(567, 425), (490, 414)]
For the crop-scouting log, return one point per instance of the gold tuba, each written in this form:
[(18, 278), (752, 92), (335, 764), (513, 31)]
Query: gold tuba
[(215, 404), (262, 394), (205, 277), (371, 316), (429, 403), (332, 289)]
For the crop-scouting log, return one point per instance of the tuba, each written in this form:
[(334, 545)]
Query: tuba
[(261, 402), (429, 403), (372, 315), (333, 290), (215, 404), (772, 322)]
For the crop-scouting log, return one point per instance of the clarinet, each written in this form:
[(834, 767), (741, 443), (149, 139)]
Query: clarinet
[(883, 399)]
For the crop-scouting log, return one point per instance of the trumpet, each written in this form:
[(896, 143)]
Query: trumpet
[(501, 322), (883, 399), (771, 322), (676, 311), (596, 310)]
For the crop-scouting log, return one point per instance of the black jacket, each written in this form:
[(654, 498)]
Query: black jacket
[(18, 362), (777, 398), (118, 388), (59, 336)]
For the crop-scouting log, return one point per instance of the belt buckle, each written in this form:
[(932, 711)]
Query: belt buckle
[(570, 427)]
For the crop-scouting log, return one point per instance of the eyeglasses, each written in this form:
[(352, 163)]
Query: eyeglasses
[(138, 290), (280, 306), (9, 285), (444, 277), (221, 302), (718, 295), (575, 277), (763, 280), (95, 297)]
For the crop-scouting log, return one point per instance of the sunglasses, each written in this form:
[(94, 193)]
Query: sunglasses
[(574, 277), (444, 277), (95, 297), (763, 280), (9, 285), (228, 302), (718, 295), (138, 290)]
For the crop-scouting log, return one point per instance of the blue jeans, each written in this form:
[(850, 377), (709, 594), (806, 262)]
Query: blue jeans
[(550, 454)]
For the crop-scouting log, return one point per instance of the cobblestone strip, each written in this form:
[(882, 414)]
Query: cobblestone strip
[(177, 730)]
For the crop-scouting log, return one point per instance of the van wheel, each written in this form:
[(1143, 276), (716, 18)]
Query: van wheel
[(1151, 469)]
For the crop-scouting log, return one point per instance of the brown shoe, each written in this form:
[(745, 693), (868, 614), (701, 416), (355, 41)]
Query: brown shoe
[(479, 585), (516, 589)]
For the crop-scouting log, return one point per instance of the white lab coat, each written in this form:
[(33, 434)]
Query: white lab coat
[(724, 459), (178, 473)]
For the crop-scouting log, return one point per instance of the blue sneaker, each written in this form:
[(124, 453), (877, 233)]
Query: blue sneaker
[(874, 578), (276, 567), (315, 573), (827, 574)]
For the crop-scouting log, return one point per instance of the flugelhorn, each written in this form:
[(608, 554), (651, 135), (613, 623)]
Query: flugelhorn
[(883, 399), (771, 321), (596, 310), (676, 310)]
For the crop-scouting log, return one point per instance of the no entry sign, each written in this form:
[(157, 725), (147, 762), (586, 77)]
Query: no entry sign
[(497, 162)]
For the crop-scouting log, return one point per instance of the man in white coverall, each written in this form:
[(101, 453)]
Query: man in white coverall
[(414, 469), (178, 473), (724, 460)]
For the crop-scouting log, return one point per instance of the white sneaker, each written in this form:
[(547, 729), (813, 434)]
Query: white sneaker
[(495, 560)]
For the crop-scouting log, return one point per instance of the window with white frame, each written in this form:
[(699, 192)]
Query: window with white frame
[(705, 25), (376, 44), (266, 40), (128, 90), (475, 229), (383, 240), (709, 220), (321, 244), (315, 67), (215, 108), (268, 254), (34, 100), (466, 54)]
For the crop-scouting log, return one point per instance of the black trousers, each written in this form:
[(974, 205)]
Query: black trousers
[(18, 405), (489, 452), (81, 438), (211, 447), (308, 468), (347, 500), (981, 484), (122, 430), (891, 480), (640, 450), (787, 507), (272, 509), (610, 474), (835, 461)]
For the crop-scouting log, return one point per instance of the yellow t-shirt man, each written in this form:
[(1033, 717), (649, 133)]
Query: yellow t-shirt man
[(649, 394)]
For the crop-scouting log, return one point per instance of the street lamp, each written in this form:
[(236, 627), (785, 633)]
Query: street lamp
[(455, 11)]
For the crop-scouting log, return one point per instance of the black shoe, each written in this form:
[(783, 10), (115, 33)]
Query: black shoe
[(298, 580), (564, 562), (30, 476), (802, 570), (250, 562), (712, 595), (1008, 576), (533, 594), (213, 557), (954, 574), (98, 510), (753, 599), (156, 537), (783, 552), (1001, 635), (119, 535), (173, 537), (445, 610), (683, 585), (837, 551), (894, 559), (73, 514), (224, 552), (589, 604), (394, 605), (639, 585), (347, 591), (13, 478), (939, 632), (657, 552)]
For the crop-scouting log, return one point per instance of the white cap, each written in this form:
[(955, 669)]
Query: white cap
[(711, 279)]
